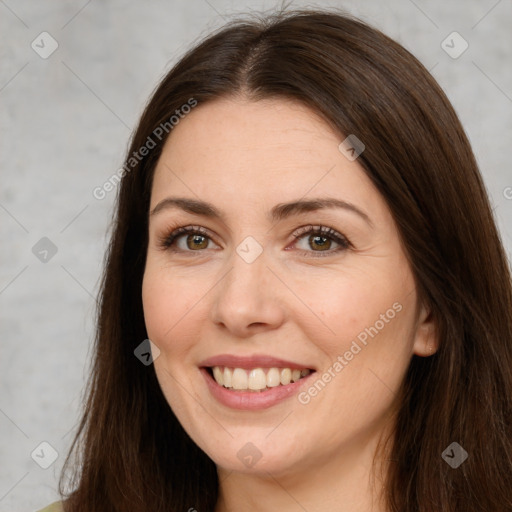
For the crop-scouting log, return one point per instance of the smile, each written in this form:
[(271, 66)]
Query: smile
[(253, 382), (256, 379)]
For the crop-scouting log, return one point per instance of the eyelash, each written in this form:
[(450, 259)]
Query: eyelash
[(167, 241)]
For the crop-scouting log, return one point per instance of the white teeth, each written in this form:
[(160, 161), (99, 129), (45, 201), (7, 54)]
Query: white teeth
[(295, 375), (217, 374), (273, 378), (226, 378), (239, 379), (256, 379), (286, 376)]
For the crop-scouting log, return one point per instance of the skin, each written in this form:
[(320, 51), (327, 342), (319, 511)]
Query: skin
[(294, 302)]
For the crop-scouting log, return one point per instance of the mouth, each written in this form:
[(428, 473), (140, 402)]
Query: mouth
[(256, 380), (253, 382)]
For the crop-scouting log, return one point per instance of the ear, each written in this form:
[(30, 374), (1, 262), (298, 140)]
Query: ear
[(426, 342)]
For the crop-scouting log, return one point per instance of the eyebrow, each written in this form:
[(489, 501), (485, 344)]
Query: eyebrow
[(278, 212)]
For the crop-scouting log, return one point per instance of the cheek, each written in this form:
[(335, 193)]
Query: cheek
[(356, 303), (370, 349), (167, 314), (172, 308), (163, 306)]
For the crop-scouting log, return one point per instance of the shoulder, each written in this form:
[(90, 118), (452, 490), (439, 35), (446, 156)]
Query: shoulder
[(54, 507)]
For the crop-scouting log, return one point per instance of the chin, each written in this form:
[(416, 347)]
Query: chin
[(252, 452)]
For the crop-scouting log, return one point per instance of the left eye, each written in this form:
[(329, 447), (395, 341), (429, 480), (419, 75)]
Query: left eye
[(197, 238), (322, 237)]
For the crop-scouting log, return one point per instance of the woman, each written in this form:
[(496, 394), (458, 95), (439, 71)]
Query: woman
[(373, 376)]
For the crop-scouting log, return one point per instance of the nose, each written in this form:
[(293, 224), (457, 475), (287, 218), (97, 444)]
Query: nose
[(249, 298)]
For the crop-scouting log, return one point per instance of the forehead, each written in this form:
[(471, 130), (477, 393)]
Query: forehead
[(234, 151)]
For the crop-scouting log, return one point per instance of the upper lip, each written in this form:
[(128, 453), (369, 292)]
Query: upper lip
[(254, 361)]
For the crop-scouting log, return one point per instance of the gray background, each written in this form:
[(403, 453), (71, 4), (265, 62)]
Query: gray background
[(65, 125)]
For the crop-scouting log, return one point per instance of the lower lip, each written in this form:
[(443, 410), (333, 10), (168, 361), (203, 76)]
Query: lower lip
[(252, 400)]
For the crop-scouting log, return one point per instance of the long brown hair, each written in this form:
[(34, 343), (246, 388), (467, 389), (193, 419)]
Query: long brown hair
[(131, 452)]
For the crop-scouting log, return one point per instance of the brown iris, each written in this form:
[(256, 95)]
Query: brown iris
[(322, 245), (195, 241)]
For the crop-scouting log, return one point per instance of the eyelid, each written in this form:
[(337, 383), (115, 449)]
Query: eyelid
[(327, 232), (172, 233), (318, 228), (166, 241)]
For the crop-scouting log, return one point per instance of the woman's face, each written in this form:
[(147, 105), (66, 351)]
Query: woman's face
[(255, 296)]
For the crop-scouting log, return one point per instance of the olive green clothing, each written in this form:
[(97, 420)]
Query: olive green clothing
[(54, 507)]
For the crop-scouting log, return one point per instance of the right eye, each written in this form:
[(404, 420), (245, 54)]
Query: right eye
[(196, 239)]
